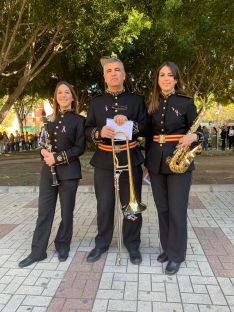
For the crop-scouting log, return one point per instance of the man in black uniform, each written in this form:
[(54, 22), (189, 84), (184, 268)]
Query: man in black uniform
[(66, 135), (121, 106)]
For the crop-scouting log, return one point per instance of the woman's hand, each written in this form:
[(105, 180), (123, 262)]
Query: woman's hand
[(107, 132), (187, 140), (120, 119), (49, 159), (44, 152)]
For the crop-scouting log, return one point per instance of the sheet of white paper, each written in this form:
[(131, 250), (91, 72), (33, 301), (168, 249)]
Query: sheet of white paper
[(126, 127)]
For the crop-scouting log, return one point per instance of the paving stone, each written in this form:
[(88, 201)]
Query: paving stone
[(118, 285), (144, 306), (144, 282), (110, 294), (100, 305), (190, 307), (152, 296), (196, 298), (106, 281), (130, 292), (226, 286), (173, 294), (200, 289), (167, 307), (4, 298), (216, 295), (122, 305), (185, 284), (212, 308), (37, 300), (104, 286), (14, 303)]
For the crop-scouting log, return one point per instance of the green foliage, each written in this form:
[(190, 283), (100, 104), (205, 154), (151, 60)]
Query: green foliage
[(195, 34)]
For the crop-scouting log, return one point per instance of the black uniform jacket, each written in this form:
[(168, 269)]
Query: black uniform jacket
[(66, 135), (175, 115), (105, 106)]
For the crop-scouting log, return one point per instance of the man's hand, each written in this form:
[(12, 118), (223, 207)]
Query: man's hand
[(107, 132), (187, 140), (49, 159), (120, 119)]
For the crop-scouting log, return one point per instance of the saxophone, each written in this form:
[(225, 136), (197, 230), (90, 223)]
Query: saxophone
[(184, 156)]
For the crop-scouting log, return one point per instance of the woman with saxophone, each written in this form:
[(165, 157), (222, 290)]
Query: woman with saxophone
[(64, 134), (171, 114)]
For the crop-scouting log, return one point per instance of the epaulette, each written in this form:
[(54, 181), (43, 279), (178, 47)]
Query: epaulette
[(96, 94), (136, 93), (185, 95), (50, 117)]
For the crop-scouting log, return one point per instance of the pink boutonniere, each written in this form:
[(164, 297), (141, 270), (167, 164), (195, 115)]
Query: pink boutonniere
[(176, 111)]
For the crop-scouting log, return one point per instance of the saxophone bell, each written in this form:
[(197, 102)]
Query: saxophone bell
[(184, 156)]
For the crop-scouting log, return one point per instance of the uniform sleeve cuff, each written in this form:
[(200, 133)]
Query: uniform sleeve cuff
[(96, 135), (135, 129), (61, 158)]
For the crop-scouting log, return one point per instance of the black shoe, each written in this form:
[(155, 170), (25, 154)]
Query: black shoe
[(95, 254), (162, 257), (172, 267), (135, 256), (62, 255), (29, 260)]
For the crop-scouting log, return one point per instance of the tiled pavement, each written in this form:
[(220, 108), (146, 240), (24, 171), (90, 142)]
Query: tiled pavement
[(205, 282)]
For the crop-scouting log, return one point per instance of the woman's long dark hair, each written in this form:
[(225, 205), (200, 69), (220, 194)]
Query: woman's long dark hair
[(74, 105), (154, 100)]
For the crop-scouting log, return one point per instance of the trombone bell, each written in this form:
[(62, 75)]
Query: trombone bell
[(132, 209)]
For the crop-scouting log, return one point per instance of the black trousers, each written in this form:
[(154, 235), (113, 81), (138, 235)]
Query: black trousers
[(171, 192), (105, 194), (46, 209)]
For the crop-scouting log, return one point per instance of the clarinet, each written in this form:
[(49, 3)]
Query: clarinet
[(48, 147)]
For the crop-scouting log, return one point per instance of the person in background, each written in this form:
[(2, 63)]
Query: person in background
[(17, 141), (214, 136), (223, 136), (1, 143), (12, 142), (231, 137), (23, 145), (206, 135), (6, 142)]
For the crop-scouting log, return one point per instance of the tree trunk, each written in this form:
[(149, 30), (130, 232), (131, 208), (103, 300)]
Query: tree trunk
[(20, 121), (13, 97)]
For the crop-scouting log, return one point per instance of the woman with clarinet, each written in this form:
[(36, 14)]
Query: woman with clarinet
[(60, 174)]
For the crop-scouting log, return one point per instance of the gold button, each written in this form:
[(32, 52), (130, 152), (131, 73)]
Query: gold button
[(165, 101), (162, 130), (116, 104), (55, 133), (60, 121), (56, 146), (161, 145), (116, 97), (55, 140), (161, 122), (162, 114), (164, 107), (62, 116), (56, 127), (116, 110)]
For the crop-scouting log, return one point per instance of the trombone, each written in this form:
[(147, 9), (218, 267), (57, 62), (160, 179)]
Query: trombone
[(134, 207)]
